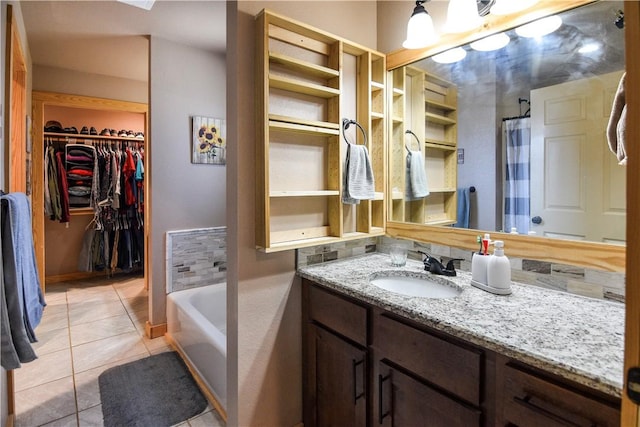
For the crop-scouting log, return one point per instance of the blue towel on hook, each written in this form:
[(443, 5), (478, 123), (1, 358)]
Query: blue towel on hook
[(358, 175), (463, 208), (21, 276)]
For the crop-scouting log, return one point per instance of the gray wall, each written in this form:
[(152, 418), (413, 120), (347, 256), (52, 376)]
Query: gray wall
[(184, 82)]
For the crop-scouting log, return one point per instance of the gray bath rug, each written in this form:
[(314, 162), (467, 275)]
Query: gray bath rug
[(152, 392)]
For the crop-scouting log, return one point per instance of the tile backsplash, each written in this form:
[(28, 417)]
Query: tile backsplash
[(561, 277), (196, 257)]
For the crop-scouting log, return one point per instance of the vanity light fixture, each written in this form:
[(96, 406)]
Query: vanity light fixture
[(589, 47), (494, 42), (505, 7), (462, 16), (450, 56), (540, 28), (142, 4), (420, 30)]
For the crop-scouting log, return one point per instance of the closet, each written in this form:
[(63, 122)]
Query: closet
[(98, 229)]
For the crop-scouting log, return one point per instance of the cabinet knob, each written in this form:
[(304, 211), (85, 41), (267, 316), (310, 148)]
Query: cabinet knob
[(536, 220)]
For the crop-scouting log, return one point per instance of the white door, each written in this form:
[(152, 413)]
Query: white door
[(577, 187)]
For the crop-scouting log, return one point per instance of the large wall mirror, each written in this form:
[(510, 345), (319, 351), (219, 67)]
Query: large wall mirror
[(515, 138)]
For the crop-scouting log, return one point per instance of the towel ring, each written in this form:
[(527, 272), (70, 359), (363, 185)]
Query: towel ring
[(345, 125), (417, 139)]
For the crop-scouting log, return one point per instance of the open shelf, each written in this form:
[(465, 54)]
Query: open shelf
[(304, 193), (306, 88), (310, 127), (295, 64), (440, 105), (438, 119)]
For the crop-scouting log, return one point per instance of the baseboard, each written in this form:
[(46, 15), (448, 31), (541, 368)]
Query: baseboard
[(201, 384), (10, 420), (155, 331), (67, 277)]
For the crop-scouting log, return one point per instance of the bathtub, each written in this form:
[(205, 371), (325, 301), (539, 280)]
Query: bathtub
[(197, 324)]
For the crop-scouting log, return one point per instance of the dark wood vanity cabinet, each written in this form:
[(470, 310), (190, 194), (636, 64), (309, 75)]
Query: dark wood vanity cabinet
[(335, 355), (364, 366)]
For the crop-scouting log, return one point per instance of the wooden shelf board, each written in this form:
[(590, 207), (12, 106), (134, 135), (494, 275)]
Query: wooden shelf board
[(397, 119), (302, 128), (439, 142), (304, 193), (305, 243), (80, 137), (440, 147), (440, 105), (438, 119), (441, 190), (376, 86), (441, 222), (81, 211), (299, 86), (305, 122), (375, 115), (378, 195), (398, 92), (303, 66)]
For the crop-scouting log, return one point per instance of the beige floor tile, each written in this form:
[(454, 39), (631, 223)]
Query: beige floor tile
[(91, 417), (45, 403), (139, 319), (44, 369), (98, 294), (55, 317), (70, 421), (55, 298), (155, 344), (107, 350), (87, 387), (208, 419), (131, 290), (50, 341), (103, 328), (138, 303), (90, 312)]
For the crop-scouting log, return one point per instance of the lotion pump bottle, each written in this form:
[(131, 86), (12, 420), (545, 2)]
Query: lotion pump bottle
[(499, 269)]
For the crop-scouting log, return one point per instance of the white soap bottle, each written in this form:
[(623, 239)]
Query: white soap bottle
[(499, 269)]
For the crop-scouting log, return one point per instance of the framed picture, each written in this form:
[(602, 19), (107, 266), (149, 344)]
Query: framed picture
[(209, 141)]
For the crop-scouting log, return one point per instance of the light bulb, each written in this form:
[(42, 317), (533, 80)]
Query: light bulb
[(420, 30), (462, 16), (450, 56), (494, 42)]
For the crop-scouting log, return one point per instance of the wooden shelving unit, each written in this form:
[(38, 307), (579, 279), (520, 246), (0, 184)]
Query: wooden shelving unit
[(311, 80), (426, 105)]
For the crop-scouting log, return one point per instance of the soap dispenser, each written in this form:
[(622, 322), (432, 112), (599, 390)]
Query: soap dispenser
[(499, 271), (480, 262)]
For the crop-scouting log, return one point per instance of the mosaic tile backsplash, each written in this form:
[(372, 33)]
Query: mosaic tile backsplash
[(561, 277), (196, 258)]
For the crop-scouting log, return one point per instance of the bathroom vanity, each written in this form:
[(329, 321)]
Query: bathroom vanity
[(534, 358)]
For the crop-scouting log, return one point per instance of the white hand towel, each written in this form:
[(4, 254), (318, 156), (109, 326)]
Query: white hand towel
[(417, 186), (358, 175), (617, 126)]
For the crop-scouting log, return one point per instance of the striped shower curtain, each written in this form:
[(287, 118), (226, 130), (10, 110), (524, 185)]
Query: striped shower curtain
[(516, 138)]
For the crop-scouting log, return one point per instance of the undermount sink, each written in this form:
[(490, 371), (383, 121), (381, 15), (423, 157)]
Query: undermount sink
[(415, 284)]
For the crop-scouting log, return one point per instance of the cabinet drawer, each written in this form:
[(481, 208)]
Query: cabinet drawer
[(530, 400), (405, 402), (336, 313), (450, 366)]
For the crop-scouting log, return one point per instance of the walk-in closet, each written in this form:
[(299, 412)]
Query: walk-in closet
[(89, 186)]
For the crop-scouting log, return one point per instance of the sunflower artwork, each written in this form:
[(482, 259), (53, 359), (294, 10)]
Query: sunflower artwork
[(209, 141)]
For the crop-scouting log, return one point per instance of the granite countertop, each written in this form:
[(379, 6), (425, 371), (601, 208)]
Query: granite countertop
[(578, 338)]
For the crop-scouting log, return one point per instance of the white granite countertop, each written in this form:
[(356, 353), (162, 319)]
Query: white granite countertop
[(578, 338)]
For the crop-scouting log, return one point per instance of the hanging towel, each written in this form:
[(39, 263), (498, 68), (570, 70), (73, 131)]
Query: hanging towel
[(24, 298), (617, 126), (463, 210), (358, 175), (416, 177)]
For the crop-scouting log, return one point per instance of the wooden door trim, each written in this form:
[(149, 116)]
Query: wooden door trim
[(632, 328)]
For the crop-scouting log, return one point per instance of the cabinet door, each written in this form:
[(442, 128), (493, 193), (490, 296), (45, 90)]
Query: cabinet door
[(404, 401), (338, 380)]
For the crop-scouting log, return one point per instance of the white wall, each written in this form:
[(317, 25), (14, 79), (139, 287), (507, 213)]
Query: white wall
[(264, 319), (184, 81)]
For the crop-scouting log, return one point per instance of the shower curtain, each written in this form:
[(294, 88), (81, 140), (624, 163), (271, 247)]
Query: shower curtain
[(516, 138)]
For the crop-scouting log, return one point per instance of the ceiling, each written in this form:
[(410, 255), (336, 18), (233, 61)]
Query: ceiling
[(108, 37)]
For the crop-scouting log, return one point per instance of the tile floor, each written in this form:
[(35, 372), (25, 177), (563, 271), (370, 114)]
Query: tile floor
[(88, 326)]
